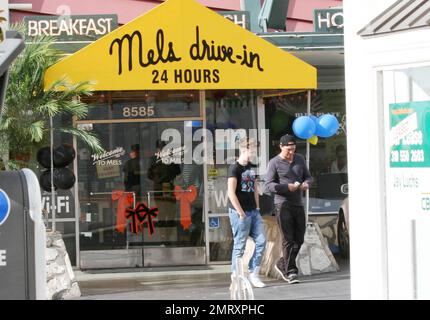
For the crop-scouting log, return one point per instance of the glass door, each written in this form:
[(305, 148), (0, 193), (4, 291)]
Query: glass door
[(141, 204)]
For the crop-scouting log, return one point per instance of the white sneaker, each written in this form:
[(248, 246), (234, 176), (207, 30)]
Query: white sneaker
[(254, 278)]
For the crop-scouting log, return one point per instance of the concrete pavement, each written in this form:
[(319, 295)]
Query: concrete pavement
[(204, 283)]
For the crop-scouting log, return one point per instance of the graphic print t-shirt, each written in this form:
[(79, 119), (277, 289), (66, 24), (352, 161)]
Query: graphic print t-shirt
[(245, 176)]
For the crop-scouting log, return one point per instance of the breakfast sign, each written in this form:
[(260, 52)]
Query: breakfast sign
[(179, 45)]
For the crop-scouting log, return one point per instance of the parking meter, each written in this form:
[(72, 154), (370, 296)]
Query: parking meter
[(22, 237)]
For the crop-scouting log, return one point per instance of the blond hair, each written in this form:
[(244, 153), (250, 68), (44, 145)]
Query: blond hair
[(247, 143)]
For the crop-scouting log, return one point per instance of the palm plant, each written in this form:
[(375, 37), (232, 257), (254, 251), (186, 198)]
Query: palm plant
[(2, 19), (24, 125)]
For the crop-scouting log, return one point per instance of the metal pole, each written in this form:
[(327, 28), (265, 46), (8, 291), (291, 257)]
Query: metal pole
[(148, 204), (308, 154), (148, 195), (53, 205), (174, 191), (77, 206), (106, 193), (205, 215)]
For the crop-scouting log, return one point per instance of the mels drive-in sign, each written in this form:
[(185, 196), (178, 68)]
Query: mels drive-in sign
[(198, 49)]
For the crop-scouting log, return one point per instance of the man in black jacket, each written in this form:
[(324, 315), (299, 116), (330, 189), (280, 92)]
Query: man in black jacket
[(287, 177)]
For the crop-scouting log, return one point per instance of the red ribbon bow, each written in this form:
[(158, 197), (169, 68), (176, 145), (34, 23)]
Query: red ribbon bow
[(140, 215), (124, 200), (185, 198)]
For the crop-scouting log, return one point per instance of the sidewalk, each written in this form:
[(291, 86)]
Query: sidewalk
[(204, 283)]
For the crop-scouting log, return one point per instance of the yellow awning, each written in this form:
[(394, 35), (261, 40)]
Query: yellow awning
[(180, 45)]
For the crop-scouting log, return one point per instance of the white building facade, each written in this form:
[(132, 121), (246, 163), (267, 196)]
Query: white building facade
[(387, 67)]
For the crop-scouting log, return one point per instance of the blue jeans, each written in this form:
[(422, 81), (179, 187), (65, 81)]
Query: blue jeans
[(252, 226)]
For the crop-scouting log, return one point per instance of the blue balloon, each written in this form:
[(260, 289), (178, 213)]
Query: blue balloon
[(320, 131), (314, 119), (327, 126), (304, 127)]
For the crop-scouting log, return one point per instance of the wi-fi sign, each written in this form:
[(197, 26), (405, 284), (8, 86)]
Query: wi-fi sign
[(4, 206)]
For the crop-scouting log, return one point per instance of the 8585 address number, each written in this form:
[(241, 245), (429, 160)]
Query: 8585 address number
[(141, 112)]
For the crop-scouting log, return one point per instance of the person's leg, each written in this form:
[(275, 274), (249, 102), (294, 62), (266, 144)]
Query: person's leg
[(257, 233), (240, 229), (286, 226), (299, 235)]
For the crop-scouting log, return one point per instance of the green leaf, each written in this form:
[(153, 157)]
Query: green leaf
[(85, 136), (28, 105), (36, 131)]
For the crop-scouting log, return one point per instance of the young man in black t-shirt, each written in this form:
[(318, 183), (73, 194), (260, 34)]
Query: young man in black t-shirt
[(244, 212)]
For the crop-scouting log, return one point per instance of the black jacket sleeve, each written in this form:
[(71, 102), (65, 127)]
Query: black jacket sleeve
[(272, 181)]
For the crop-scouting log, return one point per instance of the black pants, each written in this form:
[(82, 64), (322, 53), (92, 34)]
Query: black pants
[(292, 224)]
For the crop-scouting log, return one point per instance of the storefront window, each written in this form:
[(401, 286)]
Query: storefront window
[(144, 105), (327, 161)]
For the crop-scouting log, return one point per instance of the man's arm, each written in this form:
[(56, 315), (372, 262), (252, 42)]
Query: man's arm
[(256, 194), (272, 183), (307, 178), (231, 189)]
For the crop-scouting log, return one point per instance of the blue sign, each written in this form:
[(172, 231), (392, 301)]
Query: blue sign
[(4, 206), (214, 222)]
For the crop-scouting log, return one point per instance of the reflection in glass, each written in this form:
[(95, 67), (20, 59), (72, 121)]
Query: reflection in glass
[(328, 161)]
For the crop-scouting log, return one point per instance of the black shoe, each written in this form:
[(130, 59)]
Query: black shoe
[(292, 278), (279, 267)]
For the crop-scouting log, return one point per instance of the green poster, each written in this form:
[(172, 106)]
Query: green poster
[(409, 134)]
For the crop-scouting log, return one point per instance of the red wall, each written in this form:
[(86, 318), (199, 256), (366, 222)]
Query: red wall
[(300, 12), (125, 9)]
